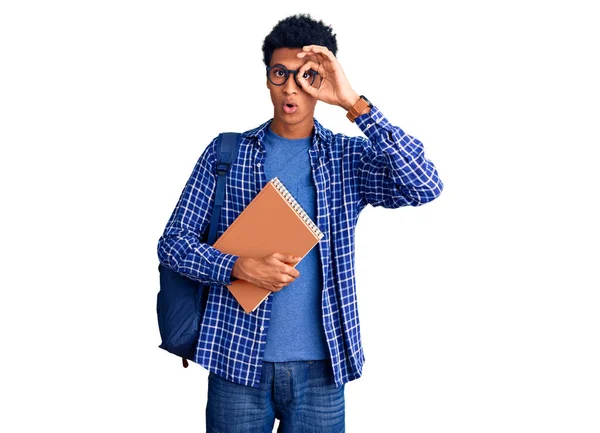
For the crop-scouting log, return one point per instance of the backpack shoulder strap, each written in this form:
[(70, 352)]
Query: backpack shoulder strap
[(227, 149)]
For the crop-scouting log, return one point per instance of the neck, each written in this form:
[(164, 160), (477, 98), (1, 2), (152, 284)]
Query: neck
[(293, 131)]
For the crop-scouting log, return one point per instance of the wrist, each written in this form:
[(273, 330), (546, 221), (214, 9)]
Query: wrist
[(237, 271), (360, 107), (350, 101)]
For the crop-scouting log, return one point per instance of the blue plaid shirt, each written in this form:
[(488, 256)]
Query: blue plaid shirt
[(388, 168)]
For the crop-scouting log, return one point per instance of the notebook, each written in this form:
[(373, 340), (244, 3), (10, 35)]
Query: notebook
[(272, 222)]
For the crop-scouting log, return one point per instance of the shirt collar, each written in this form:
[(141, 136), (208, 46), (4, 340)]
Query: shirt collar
[(322, 134)]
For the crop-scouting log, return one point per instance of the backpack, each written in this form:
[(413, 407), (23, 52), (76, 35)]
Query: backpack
[(181, 301)]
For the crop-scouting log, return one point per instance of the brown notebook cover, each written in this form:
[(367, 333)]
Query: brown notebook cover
[(272, 222)]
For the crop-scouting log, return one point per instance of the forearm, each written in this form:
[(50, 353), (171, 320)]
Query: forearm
[(401, 157), (184, 253)]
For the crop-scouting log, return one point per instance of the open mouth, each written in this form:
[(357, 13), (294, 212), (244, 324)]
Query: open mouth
[(290, 108)]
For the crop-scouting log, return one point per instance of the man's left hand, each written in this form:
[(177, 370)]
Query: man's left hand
[(334, 87)]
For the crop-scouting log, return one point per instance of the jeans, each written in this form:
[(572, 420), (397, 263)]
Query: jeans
[(301, 394)]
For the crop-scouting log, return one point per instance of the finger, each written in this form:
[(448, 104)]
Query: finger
[(278, 285), (319, 57), (302, 55), (279, 256), (286, 258), (315, 49), (319, 50), (290, 272), (275, 285), (315, 66), (310, 89), (287, 279)]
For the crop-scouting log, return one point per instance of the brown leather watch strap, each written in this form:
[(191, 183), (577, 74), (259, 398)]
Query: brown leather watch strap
[(358, 108)]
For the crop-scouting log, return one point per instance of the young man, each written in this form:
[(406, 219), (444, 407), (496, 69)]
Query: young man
[(291, 357)]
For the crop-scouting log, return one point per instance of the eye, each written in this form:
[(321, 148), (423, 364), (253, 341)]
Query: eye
[(279, 72), (308, 74)]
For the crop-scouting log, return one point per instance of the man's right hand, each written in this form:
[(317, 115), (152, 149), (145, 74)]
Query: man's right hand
[(272, 272)]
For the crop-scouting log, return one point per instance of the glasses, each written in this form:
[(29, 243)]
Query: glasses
[(279, 74)]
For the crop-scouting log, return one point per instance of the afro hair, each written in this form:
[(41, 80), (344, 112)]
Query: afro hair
[(297, 31)]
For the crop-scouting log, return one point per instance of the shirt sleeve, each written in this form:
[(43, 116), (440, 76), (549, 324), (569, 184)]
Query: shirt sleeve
[(393, 170), (182, 246)]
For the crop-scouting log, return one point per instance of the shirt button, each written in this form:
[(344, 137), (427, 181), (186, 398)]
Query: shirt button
[(262, 328), (258, 165)]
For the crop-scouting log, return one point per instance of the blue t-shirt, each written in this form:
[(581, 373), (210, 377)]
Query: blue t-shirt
[(296, 327)]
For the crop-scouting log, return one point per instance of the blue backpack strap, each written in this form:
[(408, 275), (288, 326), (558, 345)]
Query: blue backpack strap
[(227, 149)]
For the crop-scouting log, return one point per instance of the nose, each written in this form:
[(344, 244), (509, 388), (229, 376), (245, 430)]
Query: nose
[(290, 87)]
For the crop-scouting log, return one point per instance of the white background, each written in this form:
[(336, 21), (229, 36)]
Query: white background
[(479, 310)]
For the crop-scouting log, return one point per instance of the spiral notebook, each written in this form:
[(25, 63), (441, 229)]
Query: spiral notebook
[(272, 222)]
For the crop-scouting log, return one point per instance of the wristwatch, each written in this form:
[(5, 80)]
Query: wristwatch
[(357, 108)]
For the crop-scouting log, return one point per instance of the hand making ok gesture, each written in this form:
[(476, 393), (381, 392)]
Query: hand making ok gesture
[(334, 87)]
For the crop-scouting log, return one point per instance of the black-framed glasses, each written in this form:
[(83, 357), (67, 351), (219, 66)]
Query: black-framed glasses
[(279, 74)]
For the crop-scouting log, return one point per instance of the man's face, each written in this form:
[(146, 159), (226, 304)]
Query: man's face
[(292, 105)]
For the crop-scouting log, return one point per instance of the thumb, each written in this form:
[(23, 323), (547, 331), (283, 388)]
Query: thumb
[(286, 258), (312, 91), (294, 259)]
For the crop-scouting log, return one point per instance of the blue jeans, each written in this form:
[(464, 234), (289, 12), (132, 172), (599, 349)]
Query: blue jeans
[(301, 394)]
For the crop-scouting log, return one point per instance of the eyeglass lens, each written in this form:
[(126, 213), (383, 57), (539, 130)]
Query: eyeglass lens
[(279, 75)]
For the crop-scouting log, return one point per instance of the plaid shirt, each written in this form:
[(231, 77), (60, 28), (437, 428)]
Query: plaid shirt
[(388, 168)]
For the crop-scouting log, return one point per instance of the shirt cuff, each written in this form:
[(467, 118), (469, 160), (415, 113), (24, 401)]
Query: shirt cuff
[(221, 268), (373, 123)]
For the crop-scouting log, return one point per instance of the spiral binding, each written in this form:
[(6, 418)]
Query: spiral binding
[(296, 206)]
